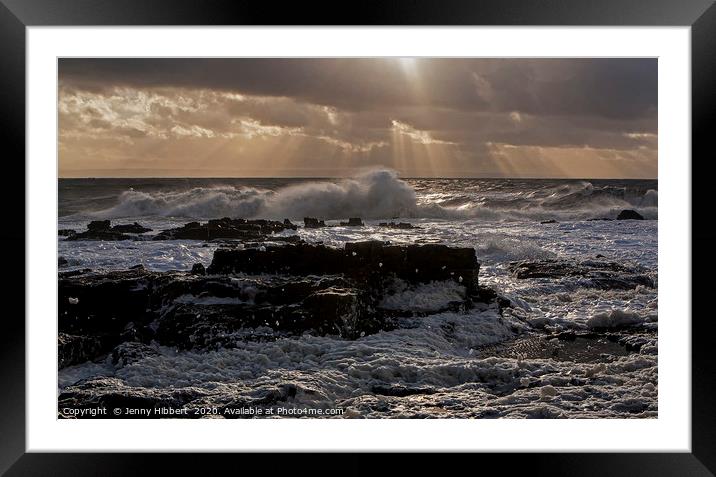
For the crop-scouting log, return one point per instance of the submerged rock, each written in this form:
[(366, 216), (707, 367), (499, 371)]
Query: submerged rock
[(629, 215)]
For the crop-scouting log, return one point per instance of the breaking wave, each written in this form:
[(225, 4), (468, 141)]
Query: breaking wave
[(381, 194)]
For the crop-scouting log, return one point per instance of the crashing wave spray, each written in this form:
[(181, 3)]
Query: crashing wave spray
[(381, 194), (373, 194)]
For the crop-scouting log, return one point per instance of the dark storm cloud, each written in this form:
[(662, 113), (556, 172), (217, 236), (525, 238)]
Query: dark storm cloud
[(610, 87), (499, 117), (606, 88)]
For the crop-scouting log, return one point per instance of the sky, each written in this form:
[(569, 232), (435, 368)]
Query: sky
[(333, 117)]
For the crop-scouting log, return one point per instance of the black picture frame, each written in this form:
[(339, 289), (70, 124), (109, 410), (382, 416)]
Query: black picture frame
[(16, 15)]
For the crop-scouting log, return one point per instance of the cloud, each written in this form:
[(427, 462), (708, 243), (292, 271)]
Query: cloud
[(324, 116), (600, 86)]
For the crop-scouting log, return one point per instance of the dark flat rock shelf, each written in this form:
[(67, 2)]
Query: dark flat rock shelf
[(577, 348), (597, 273)]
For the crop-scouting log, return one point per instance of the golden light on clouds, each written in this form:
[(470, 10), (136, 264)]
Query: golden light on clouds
[(422, 117)]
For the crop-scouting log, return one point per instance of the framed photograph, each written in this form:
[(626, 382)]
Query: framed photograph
[(408, 228)]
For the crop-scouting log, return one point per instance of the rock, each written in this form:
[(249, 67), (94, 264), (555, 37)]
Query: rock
[(103, 303), (66, 232), (98, 225), (629, 215), (198, 269), (112, 393), (600, 273), (106, 235), (99, 230), (400, 225), (400, 391), (548, 392), (488, 295), (318, 309), (414, 263), (134, 228), (338, 311), (353, 222), (226, 228), (279, 291), (130, 352), (551, 221), (301, 259), (62, 262), (311, 223), (74, 349)]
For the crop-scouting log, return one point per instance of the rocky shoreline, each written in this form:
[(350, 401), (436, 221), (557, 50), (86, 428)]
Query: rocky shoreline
[(287, 290), (260, 290), (241, 229)]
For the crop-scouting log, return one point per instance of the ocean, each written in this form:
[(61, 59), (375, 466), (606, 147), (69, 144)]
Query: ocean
[(443, 353)]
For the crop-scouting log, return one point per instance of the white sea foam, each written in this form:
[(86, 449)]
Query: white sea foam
[(615, 318), (438, 351), (380, 194), (427, 297)]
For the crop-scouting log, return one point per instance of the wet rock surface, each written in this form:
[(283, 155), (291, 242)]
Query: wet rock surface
[(254, 294), (225, 228), (353, 222), (134, 228), (253, 318), (399, 225), (629, 215), (313, 223), (364, 260), (103, 230), (130, 352), (575, 347), (73, 349), (597, 273), (111, 393)]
